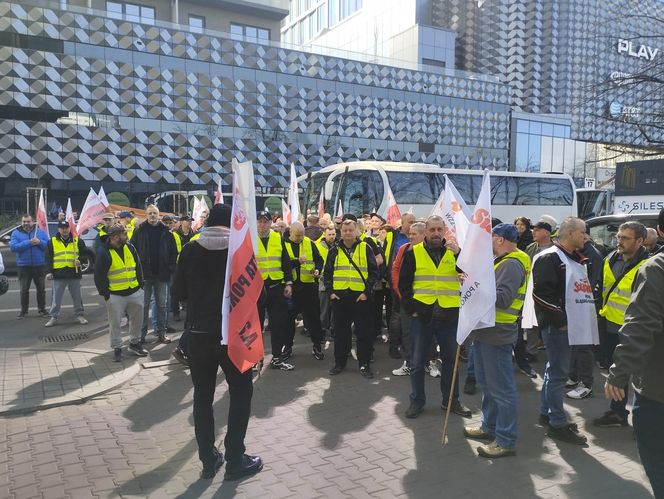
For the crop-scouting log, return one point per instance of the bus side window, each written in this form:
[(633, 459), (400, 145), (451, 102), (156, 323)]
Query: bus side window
[(555, 192)]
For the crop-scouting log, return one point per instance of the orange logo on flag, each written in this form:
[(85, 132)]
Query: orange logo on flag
[(482, 218)]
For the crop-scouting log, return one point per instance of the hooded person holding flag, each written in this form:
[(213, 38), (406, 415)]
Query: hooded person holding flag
[(200, 280), (493, 347)]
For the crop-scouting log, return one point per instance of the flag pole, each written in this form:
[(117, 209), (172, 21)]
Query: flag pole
[(449, 402)]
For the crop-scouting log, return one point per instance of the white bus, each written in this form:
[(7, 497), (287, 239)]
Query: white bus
[(362, 188)]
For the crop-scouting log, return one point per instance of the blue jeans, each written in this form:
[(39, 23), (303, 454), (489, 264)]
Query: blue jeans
[(495, 375), (421, 336), (647, 417), (160, 291), (470, 371), (555, 375)]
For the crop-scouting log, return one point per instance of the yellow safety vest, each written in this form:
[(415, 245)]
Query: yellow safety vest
[(101, 229), (64, 255), (616, 303), (195, 236), (269, 259), (345, 276), (511, 314), (130, 232), (433, 284), (122, 274), (178, 241), (307, 268), (389, 239), (323, 250)]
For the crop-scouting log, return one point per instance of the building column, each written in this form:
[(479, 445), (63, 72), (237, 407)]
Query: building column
[(175, 11)]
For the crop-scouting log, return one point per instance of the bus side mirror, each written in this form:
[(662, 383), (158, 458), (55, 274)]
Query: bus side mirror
[(329, 186)]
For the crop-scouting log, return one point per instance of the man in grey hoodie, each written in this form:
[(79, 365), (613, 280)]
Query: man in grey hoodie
[(640, 355)]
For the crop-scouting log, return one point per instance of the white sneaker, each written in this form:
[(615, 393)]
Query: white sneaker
[(570, 383), (81, 319), (404, 370), (580, 392), (51, 322), (434, 369)]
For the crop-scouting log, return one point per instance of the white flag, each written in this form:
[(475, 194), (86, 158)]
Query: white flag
[(92, 213), (219, 196), (42, 218), (478, 290), (393, 214), (340, 211), (197, 214), (293, 196), (286, 214), (244, 175), (69, 218), (455, 211), (102, 197)]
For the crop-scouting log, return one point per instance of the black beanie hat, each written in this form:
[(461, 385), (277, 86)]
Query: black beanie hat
[(220, 215)]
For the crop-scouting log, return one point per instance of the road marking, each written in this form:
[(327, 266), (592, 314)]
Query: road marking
[(82, 287), (63, 306)]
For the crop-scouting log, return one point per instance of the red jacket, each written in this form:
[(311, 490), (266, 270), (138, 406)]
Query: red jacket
[(396, 267)]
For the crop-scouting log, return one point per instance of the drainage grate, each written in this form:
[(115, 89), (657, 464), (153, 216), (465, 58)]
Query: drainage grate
[(64, 337)]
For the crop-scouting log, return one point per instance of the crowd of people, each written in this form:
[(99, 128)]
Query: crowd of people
[(357, 280)]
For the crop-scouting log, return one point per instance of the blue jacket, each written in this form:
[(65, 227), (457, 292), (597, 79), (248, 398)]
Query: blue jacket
[(28, 255)]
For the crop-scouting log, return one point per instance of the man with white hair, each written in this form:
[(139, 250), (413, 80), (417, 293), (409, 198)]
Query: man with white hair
[(651, 241)]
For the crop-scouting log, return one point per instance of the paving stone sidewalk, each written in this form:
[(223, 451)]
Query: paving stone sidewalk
[(320, 436)]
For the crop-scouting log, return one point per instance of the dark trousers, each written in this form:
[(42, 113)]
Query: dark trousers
[(647, 419), (394, 327), (612, 341), (206, 355), (347, 311), (272, 299), (305, 301), (520, 351), (26, 275), (381, 297), (581, 364)]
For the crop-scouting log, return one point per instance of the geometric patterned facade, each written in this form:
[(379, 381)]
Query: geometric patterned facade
[(558, 56), (152, 108)]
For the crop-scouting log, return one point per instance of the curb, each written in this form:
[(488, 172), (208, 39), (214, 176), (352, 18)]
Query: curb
[(80, 395)]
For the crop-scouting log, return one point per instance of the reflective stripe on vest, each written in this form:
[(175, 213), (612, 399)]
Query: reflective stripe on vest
[(269, 259), (64, 256), (433, 284), (178, 242), (195, 236), (306, 268), (345, 276), (389, 239), (511, 314), (122, 274), (616, 303)]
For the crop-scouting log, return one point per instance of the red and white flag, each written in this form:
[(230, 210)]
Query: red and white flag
[(478, 289), (42, 219), (286, 213), (102, 197), (69, 218), (393, 214), (240, 326), (321, 204), (293, 196), (197, 214), (218, 196), (340, 210), (92, 213)]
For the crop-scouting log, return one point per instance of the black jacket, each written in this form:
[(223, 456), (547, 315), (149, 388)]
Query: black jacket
[(67, 272), (549, 287), (199, 280), (406, 279), (524, 240), (168, 252), (328, 272), (103, 263)]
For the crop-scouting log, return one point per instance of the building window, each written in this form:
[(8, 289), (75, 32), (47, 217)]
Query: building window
[(321, 19), (333, 12), (251, 32), (196, 23), (131, 12)]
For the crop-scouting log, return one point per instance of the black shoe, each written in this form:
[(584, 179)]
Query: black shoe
[(366, 372), (210, 471), (117, 354), (544, 421), (566, 434), (181, 357), (286, 353), (414, 410), (470, 386), (317, 352), (250, 465), (611, 419), (395, 353), (43, 313), (278, 363), (164, 339), (138, 349), (335, 370), (528, 371), (458, 408), (21, 316)]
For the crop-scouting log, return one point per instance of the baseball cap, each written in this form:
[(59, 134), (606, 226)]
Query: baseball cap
[(543, 225), (116, 229), (62, 225), (167, 218), (550, 220), (124, 214), (263, 214), (185, 218), (507, 231), (349, 216), (108, 216)]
